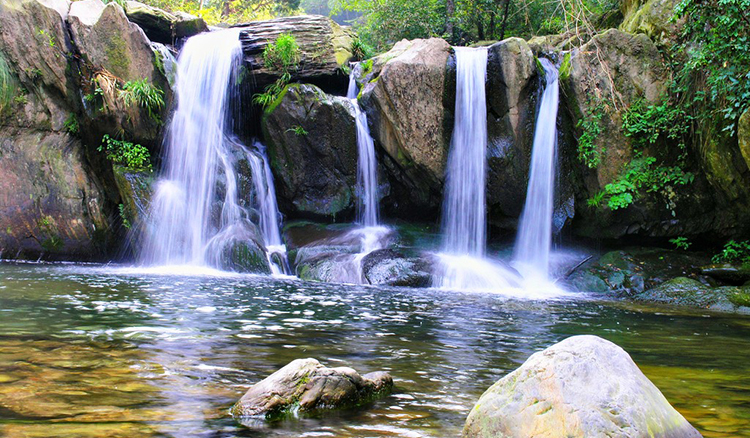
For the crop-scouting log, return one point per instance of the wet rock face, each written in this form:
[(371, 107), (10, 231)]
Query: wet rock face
[(390, 267), (409, 106), (324, 45), (582, 386), (312, 148), (304, 386), (683, 291), (161, 26)]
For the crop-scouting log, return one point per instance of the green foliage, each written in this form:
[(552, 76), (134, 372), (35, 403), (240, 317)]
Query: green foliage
[(145, 95), (49, 38), (734, 252), (283, 54), (71, 124), (132, 156), (8, 85), (124, 216), (716, 43), (642, 174), (361, 50), (680, 243), (298, 130), (647, 125), (588, 152)]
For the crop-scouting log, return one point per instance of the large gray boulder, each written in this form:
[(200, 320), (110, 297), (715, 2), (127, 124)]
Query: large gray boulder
[(162, 26), (409, 103), (51, 204), (312, 149), (304, 386), (325, 47), (513, 85), (584, 386)]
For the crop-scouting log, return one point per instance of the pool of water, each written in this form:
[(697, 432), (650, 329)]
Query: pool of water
[(92, 351)]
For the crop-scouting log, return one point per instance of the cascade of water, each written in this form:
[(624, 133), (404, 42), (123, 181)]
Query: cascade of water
[(532, 251), (464, 203), (367, 166), (265, 194), (196, 214)]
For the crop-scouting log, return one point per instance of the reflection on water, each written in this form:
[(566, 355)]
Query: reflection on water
[(88, 351)]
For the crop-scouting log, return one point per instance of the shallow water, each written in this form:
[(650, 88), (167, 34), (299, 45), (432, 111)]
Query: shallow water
[(88, 351)]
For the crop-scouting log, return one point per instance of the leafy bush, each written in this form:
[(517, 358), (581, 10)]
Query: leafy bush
[(283, 54), (734, 252), (71, 124), (361, 50), (145, 95), (680, 243), (588, 152), (125, 153), (647, 125)]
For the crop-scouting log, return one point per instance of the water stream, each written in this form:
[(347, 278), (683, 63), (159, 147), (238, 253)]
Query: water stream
[(532, 251), (101, 351), (198, 213)]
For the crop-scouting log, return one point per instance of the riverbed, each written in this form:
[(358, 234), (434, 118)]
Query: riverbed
[(117, 351)]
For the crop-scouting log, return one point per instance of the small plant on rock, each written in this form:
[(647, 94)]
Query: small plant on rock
[(132, 156), (145, 95)]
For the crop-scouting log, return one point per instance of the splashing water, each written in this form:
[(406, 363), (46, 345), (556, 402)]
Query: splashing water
[(196, 215), (367, 165), (464, 204), (532, 251)]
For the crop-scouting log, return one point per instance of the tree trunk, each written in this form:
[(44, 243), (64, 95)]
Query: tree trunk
[(450, 9), (505, 20)]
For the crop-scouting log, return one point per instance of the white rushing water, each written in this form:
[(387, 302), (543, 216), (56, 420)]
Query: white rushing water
[(196, 214), (532, 251), (464, 222), (367, 165)]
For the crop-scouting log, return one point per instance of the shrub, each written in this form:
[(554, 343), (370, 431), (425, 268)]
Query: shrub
[(734, 252), (125, 153), (145, 95), (283, 54)]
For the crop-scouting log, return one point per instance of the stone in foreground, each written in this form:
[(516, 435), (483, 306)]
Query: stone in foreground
[(306, 386), (584, 386)]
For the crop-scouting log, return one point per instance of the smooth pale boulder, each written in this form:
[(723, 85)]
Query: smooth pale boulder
[(409, 102), (162, 26), (584, 386), (306, 386)]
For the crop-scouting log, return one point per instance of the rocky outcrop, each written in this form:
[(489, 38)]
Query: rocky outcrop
[(582, 386), (305, 387), (161, 26), (50, 203), (743, 137), (390, 267), (683, 291), (312, 149), (409, 103), (651, 17), (513, 85), (325, 47)]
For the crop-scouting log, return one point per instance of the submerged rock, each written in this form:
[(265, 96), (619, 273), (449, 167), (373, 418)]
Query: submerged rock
[(312, 149), (584, 386), (683, 291), (304, 386), (391, 267)]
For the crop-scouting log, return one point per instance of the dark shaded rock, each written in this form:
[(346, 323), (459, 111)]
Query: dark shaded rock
[(409, 103), (239, 248), (162, 26), (728, 273), (683, 291), (324, 45), (304, 387), (582, 386), (635, 270), (135, 188), (394, 268), (312, 149)]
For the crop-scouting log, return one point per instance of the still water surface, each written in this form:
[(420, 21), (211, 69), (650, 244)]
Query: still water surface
[(91, 351)]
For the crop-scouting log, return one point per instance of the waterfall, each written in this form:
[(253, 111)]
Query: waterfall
[(367, 166), (464, 203), (197, 214), (265, 194), (532, 251)]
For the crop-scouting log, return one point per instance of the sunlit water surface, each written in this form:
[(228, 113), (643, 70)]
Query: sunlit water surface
[(89, 351)]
